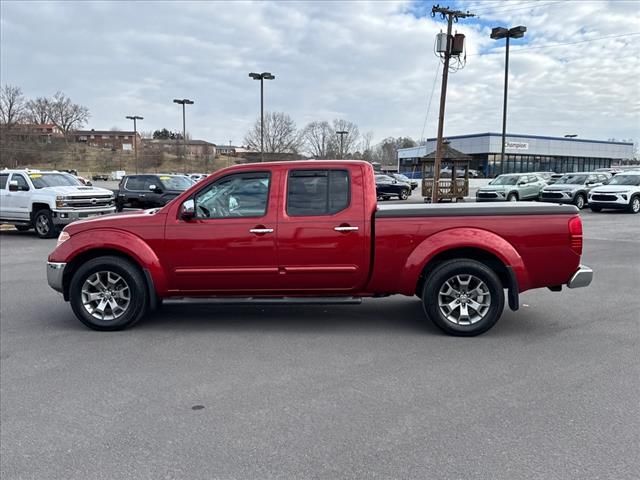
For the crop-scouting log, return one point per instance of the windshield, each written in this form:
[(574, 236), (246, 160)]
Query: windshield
[(572, 180), (176, 182), (43, 180), (631, 180), (506, 180)]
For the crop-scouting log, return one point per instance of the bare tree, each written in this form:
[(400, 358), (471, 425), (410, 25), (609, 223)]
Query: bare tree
[(349, 141), (366, 147), (66, 115), (280, 134), (12, 105), (37, 111), (317, 138)]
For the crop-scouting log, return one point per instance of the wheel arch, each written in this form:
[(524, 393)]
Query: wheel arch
[(475, 244)]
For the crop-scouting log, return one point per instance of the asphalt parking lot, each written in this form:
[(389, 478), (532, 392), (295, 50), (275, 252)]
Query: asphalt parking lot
[(370, 391)]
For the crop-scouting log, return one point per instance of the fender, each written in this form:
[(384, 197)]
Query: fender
[(119, 240), (461, 238)]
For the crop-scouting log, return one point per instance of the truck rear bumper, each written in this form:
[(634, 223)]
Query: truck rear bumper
[(581, 278), (55, 272)]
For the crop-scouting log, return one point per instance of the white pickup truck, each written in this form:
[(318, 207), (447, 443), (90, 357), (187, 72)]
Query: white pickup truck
[(47, 201)]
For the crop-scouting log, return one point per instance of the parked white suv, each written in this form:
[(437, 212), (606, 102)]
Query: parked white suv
[(47, 200), (621, 193)]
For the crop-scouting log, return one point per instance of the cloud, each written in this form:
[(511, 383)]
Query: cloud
[(368, 62)]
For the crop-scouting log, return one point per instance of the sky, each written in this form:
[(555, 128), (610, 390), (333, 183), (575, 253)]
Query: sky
[(369, 62)]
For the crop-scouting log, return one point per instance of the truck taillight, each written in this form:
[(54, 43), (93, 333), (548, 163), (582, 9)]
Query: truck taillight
[(575, 234)]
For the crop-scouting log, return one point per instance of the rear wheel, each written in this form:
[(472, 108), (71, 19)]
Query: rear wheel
[(463, 297), (43, 222), (108, 293), (580, 201), (512, 197), (634, 205), (404, 194)]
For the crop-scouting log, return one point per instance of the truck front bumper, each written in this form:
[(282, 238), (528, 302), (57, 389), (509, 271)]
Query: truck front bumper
[(581, 278), (55, 272), (64, 217)]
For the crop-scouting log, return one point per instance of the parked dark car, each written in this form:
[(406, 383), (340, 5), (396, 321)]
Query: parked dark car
[(100, 176), (403, 178), (387, 187), (150, 191)]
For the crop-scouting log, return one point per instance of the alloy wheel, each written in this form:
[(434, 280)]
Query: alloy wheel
[(106, 295), (464, 299), (42, 225)]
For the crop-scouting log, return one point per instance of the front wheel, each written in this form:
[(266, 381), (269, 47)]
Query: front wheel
[(463, 297), (108, 293), (512, 197), (43, 222), (634, 206), (580, 201), (404, 194)]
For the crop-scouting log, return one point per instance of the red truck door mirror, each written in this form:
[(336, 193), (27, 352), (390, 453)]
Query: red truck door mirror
[(188, 210)]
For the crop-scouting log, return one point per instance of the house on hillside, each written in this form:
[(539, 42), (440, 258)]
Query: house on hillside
[(112, 139)]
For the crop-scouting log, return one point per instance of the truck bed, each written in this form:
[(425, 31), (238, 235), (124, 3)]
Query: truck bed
[(473, 209)]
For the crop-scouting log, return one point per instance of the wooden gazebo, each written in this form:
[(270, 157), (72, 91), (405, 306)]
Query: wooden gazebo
[(454, 174)]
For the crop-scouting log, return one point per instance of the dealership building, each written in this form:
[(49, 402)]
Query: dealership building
[(524, 153)]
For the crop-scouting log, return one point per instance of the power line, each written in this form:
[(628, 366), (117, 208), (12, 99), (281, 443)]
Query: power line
[(520, 6), (553, 45), (433, 88)]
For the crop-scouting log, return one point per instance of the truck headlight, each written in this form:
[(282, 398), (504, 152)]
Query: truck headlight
[(63, 237), (61, 202)]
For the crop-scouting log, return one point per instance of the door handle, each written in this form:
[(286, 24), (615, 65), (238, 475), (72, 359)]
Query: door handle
[(345, 229), (261, 230)]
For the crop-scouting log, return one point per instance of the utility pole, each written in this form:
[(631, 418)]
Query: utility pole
[(135, 137), (342, 133), (183, 102), (451, 16)]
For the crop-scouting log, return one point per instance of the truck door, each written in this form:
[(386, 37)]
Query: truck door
[(18, 203), (230, 245), (322, 242)]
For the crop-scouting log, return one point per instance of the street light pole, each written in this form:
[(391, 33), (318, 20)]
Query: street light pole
[(135, 136), (183, 102), (507, 33), (262, 77), (342, 133)]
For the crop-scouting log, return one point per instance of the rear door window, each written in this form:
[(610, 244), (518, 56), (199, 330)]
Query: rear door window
[(135, 184), (317, 192)]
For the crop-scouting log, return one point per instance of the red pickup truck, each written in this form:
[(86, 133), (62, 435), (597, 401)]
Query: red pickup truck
[(310, 232)]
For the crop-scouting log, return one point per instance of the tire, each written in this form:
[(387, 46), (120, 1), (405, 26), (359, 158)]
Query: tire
[(456, 276), (512, 197), (634, 204), (580, 201), (404, 194), (596, 209), (22, 228), (118, 275), (43, 223)]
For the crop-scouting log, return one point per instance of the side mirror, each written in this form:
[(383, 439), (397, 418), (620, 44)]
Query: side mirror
[(13, 186), (188, 210)]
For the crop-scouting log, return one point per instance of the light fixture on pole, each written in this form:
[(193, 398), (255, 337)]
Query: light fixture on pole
[(183, 102), (262, 77), (135, 136), (496, 34), (342, 133)]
